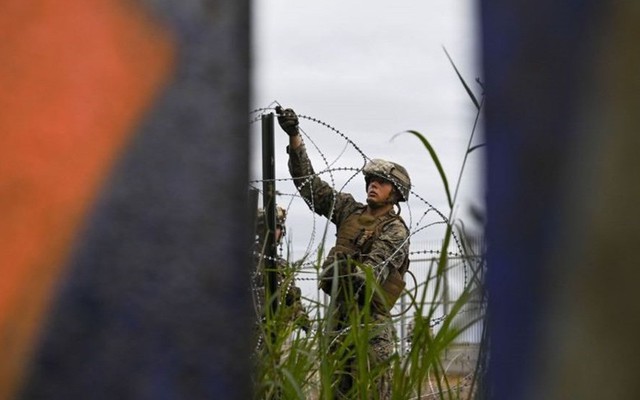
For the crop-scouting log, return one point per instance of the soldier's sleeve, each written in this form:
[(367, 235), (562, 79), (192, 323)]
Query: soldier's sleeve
[(389, 251), (318, 194)]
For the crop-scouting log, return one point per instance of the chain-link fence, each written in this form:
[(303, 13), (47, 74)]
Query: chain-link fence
[(462, 273)]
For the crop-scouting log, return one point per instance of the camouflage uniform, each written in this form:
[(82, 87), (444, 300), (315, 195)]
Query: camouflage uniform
[(292, 298), (291, 302), (379, 243)]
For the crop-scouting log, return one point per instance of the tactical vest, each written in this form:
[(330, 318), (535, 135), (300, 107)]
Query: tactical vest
[(355, 238)]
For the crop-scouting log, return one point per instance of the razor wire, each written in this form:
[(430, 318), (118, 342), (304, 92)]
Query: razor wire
[(329, 169)]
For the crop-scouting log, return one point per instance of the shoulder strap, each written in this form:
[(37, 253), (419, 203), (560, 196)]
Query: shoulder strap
[(405, 265)]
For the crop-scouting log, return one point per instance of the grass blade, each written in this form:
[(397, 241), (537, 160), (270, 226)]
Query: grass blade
[(476, 147), (435, 159), (466, 87)]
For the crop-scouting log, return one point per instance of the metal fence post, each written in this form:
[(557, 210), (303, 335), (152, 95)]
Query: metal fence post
[(269, 204)]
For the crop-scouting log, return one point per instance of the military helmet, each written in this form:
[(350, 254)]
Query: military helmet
[(281, 218), (389, 171)]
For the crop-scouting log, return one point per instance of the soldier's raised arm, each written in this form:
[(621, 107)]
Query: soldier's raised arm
[(325, 200)]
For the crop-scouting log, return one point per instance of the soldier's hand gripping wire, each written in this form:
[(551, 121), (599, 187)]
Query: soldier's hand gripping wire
[(288, 121)]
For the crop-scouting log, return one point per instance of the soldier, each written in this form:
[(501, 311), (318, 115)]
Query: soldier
[(290, 302), (371, 239)]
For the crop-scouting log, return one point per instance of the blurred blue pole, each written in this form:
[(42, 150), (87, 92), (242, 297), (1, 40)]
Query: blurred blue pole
[(536, 58)]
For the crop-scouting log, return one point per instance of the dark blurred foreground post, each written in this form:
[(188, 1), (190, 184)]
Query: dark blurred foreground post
[(562, 127), (126, 236)]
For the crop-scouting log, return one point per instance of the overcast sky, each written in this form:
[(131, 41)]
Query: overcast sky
[(371, 69)]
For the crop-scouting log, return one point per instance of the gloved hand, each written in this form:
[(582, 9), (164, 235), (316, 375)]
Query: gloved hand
[(337, 261), (303, 322), (288, 121), (350, 279)]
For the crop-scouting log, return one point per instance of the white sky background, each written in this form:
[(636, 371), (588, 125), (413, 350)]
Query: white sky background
[(371, 69)]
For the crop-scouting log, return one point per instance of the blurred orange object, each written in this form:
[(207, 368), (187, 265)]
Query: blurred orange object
[(76, 78)]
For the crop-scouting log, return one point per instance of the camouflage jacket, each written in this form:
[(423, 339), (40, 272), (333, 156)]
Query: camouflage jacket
[(389, 250), (290, 295), (290, 308)]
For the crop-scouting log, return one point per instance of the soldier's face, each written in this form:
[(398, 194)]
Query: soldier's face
[(379, 190)]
